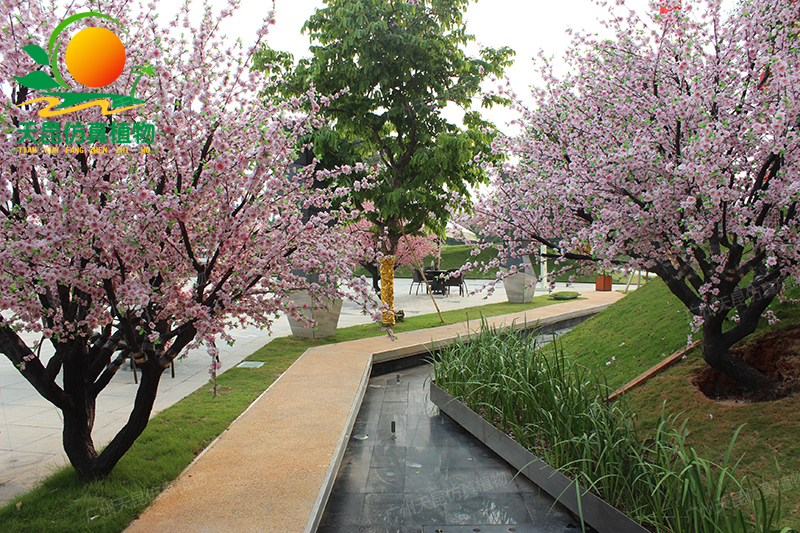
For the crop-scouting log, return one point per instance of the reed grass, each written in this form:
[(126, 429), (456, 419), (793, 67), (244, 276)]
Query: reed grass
[(560, 411)]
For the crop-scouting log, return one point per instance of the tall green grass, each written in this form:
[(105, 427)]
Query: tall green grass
[(560, 411)]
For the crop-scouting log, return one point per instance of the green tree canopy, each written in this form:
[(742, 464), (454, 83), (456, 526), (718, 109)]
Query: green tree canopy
[(395, 64)]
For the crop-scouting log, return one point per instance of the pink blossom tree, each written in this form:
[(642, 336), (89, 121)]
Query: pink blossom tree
[(142, 254), (674, 144)]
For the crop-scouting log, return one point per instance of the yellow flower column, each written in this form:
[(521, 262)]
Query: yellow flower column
[(387, 289)]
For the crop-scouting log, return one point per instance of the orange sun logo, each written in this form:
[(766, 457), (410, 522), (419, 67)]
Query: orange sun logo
[(95, 57)]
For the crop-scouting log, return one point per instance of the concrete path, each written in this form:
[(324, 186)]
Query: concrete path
[(273, 468), (30, 426)]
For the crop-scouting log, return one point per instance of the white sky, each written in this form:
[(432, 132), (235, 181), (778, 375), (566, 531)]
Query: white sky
[(524, 25)]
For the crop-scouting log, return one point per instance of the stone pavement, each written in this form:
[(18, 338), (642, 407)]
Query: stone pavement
[(272, 470), (430, 472), (30, 427)]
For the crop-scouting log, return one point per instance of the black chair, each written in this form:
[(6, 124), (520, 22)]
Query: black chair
[(416, 277), (456, 281)]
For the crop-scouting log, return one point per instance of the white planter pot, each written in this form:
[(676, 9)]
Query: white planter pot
[(519, 288), (324, 314)]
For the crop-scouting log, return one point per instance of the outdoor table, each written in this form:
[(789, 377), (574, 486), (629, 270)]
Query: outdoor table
[(436, 279)]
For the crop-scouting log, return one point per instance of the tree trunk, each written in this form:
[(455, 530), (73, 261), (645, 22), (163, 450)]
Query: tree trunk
[(80, 411), (79, 418), (375, 272), (387, 290), (716, 352), (389, 249), (716, 344)]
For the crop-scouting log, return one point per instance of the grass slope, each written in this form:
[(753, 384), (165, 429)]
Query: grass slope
[(637, 332), (650, 323)]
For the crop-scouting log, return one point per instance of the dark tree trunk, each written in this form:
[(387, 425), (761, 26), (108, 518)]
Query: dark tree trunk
[(717, 354), (716, 344), (716, 347), (80, 411), (375, 272), (137, 422), (79, 416)]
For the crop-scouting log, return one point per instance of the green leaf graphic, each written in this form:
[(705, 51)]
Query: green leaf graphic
[(37, 80), (38, 54)]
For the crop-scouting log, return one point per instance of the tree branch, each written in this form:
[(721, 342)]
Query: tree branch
[(30, 366)]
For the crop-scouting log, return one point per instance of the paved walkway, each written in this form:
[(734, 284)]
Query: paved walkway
[(273, 468)]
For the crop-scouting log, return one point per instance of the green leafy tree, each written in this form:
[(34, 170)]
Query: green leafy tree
[(393, 66)]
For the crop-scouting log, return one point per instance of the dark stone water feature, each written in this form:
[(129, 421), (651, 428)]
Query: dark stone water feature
[(430, 476)]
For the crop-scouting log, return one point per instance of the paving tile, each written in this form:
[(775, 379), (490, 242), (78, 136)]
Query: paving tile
[(384, 430), (461, 456), (394, 408), (389, 456), (456, 479), (354, 473), (423, 480), (385, 480), (386, 529), (343, 509), (10, 396), (22, 415), (382, 510), (422, 509), (471, 511), (505, 508), (21, 437), (337, 529), (544, 511), (448, 477), (505, 479)]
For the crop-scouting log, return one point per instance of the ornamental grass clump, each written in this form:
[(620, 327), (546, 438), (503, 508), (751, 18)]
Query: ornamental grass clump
[(560, 411)]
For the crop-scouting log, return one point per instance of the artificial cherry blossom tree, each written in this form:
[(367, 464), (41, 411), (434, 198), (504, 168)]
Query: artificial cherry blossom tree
[(673, 144), (139, 256)]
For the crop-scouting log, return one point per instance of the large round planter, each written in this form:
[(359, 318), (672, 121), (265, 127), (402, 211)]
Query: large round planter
[(324, 314)]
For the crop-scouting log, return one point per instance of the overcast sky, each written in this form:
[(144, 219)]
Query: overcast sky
[(524, 25)]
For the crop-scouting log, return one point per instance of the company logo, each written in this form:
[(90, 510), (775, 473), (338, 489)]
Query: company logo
[(95, 57)]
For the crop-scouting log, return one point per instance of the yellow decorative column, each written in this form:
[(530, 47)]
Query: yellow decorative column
[(387, 289)]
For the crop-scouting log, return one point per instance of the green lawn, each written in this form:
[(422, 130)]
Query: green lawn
[(650, 323), (637, 332), (61, 503)]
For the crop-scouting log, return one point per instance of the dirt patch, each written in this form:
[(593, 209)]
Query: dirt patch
[(775, 354)]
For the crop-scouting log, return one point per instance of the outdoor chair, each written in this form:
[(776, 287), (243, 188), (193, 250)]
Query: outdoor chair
[(416, 277), (457, 281)]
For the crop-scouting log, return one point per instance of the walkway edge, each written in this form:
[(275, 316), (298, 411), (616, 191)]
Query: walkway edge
[(273, 468), (564, 320), (338, 455)]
